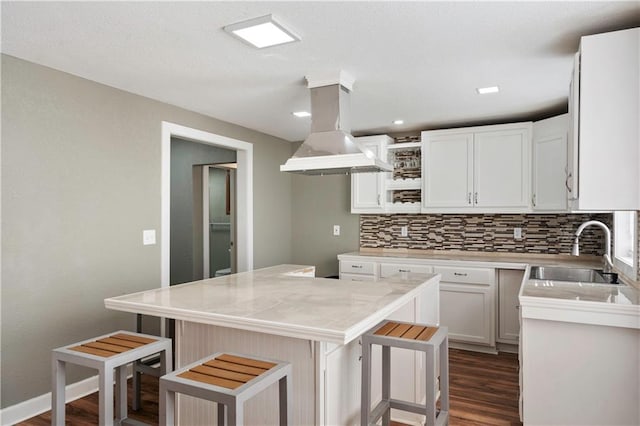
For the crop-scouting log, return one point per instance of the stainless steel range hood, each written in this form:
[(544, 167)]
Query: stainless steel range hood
[(330, 148)]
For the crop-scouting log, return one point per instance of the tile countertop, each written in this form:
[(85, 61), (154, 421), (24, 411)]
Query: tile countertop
[(283, 300), (585, 303)]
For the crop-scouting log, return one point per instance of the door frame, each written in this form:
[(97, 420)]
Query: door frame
[(244, 193)]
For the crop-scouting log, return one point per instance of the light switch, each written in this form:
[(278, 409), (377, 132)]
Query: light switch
[(148, 237), (404, 231), (336, 230)]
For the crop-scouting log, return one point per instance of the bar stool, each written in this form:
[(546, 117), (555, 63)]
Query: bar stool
[(108, 353), (416, 337), (229, 380)]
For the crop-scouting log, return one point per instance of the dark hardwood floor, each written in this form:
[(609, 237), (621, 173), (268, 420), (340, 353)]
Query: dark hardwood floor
[(484, 391)]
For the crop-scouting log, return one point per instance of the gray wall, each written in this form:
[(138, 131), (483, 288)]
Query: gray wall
[(184, 155), (80, 181), (319, 202)]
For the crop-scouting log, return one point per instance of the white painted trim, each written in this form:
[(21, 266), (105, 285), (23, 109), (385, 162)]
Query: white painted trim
[(35, 406), (244, 157)]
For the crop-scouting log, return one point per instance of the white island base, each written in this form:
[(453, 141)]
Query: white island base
[(326, 376)]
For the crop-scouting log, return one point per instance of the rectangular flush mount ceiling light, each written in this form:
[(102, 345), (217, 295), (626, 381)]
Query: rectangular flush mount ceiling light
[(487, 90), (262, 32)]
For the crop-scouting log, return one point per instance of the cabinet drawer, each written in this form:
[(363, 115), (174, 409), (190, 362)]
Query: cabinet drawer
[(352, 267), (486, 276), (389, 269), (357, 277)]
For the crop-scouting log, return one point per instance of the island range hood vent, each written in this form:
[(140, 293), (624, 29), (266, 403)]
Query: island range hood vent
[(330, 148)]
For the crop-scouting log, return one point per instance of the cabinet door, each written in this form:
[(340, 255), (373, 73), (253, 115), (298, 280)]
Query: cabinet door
[(467, 310), (509, 282), (572, 142), (447, 169), (501, 168), (367, 189), (549, 164), (609, 151)]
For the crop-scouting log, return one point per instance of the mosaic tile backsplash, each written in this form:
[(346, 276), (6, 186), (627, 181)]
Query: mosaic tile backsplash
[(541, 233)]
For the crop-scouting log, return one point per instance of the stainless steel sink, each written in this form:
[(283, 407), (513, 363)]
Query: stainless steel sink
[(556, 273)]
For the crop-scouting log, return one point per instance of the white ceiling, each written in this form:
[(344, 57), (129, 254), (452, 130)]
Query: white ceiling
[(419, 61)]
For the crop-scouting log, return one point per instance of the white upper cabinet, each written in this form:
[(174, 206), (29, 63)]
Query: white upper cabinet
[(501, 167), (607, 109), (367, 189), (483, 169), (550, 178), (448, 169)]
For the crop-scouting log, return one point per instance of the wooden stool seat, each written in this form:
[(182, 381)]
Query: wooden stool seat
[(228, 380), (417, 337), (108, 353)]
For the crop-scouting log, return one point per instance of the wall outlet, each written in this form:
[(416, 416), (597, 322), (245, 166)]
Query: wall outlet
[(517, 233), (336, 230), (149, 237), (404, 231)]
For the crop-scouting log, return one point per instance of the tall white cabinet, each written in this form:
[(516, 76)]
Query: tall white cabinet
[(605, 106), (477, 169)]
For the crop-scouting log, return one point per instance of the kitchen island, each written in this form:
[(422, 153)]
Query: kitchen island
[(284, 312)]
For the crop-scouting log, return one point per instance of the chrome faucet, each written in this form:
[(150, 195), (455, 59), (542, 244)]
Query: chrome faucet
[(608, 265)]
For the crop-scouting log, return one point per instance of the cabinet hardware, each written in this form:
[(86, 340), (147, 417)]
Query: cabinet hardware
[(404, 270), (469, 198), (566, 182), (458, 274), (356, 266), (378, 199), (533, 200), (475, 198)]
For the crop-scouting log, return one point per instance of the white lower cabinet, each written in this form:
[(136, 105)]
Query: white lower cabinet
[(479, 305), (467, 304)]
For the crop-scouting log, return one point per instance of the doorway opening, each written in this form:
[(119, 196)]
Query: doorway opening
[(218, 215), (243, 185)]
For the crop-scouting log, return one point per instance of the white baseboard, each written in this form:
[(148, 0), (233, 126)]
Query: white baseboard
[(40, 404)]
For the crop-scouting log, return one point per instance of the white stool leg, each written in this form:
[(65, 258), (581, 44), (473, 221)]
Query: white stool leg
[(167, 399), (444, 374), (121, 393), (386, 383), (58, 392), (284, 385), (105, 397), (430, 409), (365, 406)]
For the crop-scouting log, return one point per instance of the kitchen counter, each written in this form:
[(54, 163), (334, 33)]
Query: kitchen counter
[(284, 312), (285, 300)]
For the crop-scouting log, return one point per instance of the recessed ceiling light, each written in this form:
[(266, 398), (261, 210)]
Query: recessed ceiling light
[(486, 90), (262, 32), (398, 122), (301, 114)]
